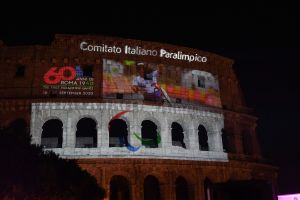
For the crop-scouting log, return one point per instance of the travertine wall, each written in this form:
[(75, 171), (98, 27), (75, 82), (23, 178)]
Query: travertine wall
[(166, 171), (163, 117)]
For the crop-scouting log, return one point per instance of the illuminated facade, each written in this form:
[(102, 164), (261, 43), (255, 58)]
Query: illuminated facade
[(148, 120)]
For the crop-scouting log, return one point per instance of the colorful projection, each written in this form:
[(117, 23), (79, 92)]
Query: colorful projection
[(289, 197), (159, 82), (143, 141), (68, 81)]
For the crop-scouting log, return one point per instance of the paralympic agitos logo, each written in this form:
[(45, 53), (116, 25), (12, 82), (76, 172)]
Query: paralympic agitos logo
[(143, 141)]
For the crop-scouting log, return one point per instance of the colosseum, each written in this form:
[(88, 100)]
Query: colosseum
[(148, 120)]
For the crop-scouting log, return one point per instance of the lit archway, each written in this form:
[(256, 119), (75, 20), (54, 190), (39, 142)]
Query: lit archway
[(149, 134), (203, 138), (177, 135), (118, 133), (86, 134), (52, 134)]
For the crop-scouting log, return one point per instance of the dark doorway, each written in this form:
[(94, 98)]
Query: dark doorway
[(149, 134), (118, 134), (182, 190), (52, 134), (151, 188), (208, 189), (86, 134), (119, 188), (203, 138), (177, 135)]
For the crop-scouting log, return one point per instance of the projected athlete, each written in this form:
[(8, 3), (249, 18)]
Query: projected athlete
[(138, 83), (147, 83)]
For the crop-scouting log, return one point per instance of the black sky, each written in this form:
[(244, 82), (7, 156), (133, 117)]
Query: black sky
[(263, 39)]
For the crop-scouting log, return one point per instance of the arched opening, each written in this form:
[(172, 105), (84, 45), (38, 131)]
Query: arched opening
[(118, 133), (208, 191), (86, 134), (246, 140), (151, 188), (182, 190), (225, 140), (177, 135), (150, 137), (52, 134), (203, 138), (119, 188)]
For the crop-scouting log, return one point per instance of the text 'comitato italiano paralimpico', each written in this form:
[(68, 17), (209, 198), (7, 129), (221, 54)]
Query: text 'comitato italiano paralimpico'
[(137, 50)]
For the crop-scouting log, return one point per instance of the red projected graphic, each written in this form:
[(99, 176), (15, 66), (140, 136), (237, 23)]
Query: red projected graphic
[(68, 81), (54, 76)]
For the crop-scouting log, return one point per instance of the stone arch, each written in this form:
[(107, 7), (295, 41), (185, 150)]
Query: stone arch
[(206, 124), (118, 133), (179, 136), (182, 189), (52, 133), (80, 116), (126, 119), (151, 118), (208, 188), (47, 118), (189, 176), (203, 138), (150, 134), (183, 122), (127, 173), (151, 189), (120, 188), (86, 133), (109, 116)]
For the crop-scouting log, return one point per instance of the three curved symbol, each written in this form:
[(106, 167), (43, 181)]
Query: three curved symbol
[(144, 141)]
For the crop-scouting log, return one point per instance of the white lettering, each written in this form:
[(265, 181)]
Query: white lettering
[(84, 46), (180, 56)]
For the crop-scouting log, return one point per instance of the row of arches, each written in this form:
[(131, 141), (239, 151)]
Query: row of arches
[(120, 188), (86, 134)]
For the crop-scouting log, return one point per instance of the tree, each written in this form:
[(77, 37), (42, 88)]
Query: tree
[(28, 172)]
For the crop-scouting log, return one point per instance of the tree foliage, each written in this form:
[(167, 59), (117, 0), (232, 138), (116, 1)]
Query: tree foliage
[(28, 172)]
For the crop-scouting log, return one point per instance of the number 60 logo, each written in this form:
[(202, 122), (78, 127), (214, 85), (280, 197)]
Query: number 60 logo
[(55, 75)]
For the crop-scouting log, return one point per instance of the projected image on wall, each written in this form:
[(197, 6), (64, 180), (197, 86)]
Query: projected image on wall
[(131, 79), (68, 81)]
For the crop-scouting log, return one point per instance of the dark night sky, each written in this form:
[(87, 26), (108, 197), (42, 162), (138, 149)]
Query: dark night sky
[(261, 38)]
